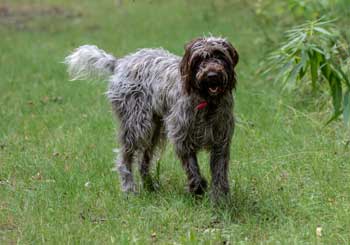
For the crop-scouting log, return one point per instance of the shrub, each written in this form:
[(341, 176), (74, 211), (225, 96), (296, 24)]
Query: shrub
[(314, 54)]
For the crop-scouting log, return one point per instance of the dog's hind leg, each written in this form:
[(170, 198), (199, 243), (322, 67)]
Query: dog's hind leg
[(145, 170), (148, 153), (135, 134), (124, 167)]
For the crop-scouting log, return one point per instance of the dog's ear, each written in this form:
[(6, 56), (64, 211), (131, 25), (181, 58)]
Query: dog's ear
[(186, 66), (233, 53), (234, 58)]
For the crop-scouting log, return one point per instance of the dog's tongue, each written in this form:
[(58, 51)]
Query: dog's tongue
[(202, 105), (214, 90)]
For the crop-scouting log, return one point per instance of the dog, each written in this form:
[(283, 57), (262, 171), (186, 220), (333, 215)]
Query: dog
[(158, 95)]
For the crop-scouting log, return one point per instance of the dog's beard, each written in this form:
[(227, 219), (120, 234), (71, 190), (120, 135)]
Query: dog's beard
[(211, 80)]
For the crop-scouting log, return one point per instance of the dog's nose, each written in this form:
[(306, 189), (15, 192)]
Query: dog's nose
[(212, 74)]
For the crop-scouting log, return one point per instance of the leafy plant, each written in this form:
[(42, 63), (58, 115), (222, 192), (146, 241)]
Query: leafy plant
[(313, 56), (300, 8)]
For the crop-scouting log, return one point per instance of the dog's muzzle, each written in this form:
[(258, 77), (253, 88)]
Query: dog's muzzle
[(213, 83)]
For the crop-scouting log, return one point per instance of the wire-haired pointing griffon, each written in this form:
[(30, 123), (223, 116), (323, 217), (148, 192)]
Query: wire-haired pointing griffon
[(157, 95)]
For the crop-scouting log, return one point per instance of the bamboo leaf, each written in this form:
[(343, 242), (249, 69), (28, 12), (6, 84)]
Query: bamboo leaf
[(293, 74), (336, 91), (305, 63), (317, 49), (314, 63), (303, 70), (345, 77), (284, 70), (326, 70), (323, 31)]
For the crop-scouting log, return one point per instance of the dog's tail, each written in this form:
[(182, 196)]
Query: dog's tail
[(88, 62)]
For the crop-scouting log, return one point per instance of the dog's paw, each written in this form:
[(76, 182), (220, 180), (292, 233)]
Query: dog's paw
[(198, 187), (220, 196), (150, 185), (129, 187)]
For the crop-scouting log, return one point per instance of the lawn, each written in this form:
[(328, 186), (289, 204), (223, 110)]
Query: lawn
[(289, 173)]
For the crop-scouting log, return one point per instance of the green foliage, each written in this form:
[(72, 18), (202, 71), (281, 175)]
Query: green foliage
[(298, 10), (311, 56), (267, 12)]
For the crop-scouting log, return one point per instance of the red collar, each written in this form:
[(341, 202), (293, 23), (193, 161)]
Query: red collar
[(204, 103), (201, 105)]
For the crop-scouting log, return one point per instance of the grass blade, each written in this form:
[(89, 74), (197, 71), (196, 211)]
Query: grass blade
[(346, 111)]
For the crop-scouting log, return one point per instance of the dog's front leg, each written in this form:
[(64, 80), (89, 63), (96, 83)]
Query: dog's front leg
[(196, 183), (219, 160)]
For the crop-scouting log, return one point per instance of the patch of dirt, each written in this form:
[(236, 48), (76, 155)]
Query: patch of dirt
[(8, 224), (19, 16)]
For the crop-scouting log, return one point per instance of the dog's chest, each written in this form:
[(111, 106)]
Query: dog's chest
[(191, 129), (202, 132)]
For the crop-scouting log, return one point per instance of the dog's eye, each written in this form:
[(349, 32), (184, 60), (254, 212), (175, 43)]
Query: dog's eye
[(218, 55)]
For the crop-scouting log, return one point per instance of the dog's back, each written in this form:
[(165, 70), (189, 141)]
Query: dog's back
[(147, 71)]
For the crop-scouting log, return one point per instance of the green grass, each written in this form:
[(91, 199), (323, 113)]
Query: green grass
[(289, 174)]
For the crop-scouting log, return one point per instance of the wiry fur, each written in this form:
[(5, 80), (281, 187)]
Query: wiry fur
[(155, 93), (88, 61)]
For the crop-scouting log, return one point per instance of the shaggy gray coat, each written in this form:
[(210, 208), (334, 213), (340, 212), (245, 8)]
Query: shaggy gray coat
[(156, 95)]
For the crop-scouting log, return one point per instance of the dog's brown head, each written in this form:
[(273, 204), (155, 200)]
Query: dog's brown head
[(207, 67)]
